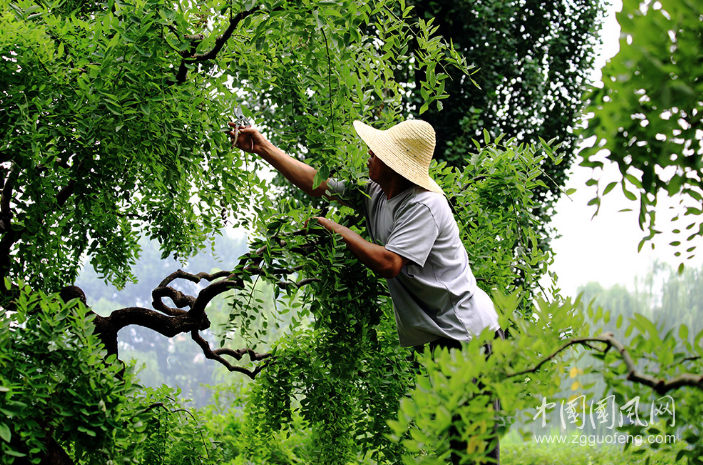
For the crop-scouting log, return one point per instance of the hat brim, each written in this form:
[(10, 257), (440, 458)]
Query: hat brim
[(382, 147)]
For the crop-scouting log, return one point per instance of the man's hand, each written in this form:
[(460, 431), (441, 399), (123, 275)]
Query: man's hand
[(382, 261), (246, 138), (301, 175), (314, 225)]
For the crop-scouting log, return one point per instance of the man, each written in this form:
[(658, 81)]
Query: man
[(415, 240)]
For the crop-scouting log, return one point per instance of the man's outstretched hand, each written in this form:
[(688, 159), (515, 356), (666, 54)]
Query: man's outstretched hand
[(246, 138)]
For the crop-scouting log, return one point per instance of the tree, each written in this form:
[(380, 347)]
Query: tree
[(114, 115), (666, 297), (646, 117), (533, 60)]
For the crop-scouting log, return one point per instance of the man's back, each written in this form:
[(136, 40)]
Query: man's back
[(435, 294)]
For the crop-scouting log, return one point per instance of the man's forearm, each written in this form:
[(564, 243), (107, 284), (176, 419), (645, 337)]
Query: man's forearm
[(297, 172), (385, 263)]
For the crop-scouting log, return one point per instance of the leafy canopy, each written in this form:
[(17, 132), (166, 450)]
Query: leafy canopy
[(114, 115)]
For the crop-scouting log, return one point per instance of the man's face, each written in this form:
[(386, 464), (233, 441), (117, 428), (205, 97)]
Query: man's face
[(378, 171)]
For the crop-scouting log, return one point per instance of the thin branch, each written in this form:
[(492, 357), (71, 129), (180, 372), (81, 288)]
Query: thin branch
[(329, 79), (292, 270), (299, 284), (209, 354), (219, 43), (156, 404), (194, 278), (67, 191), (209, 293), (239, 353), (661, 386), (173, 29), (473, 180)]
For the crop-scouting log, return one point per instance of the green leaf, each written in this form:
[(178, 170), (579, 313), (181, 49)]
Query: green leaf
[(609, 187), (5, 433), (629, 195), (320, 176), (683, 332)]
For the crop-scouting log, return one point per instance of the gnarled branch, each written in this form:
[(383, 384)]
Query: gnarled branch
[(660, 385), (190, 315), (215, 355)]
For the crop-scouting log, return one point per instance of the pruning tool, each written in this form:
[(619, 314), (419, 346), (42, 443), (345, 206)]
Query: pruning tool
[(240, 120)]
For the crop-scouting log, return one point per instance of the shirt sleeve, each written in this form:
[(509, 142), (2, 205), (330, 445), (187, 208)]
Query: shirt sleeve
[(354, 197), (414, 233)]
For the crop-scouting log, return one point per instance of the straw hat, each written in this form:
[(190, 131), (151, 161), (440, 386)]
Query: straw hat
[(406, 148)]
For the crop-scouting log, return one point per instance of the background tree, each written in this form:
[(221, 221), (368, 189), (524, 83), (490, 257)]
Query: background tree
[(666, 297), (533, 60)]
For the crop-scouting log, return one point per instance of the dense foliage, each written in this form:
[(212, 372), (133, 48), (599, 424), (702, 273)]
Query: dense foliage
[(114, 114), (533, 59), (644, 365), (65, 400), (646, 116)]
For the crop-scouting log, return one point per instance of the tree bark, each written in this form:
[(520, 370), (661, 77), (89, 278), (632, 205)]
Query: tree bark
[(55, 455)]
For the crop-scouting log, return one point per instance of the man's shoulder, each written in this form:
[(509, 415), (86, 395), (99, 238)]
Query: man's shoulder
[(373, 188), (432, 200)]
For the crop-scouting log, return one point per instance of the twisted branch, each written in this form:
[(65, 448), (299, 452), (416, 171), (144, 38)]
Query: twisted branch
[(189, 314), (215, 355), (660, 385)]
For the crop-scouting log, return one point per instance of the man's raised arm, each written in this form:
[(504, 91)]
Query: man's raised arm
[(301, 175)]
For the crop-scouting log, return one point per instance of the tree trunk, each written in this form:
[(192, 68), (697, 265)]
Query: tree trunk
[(55, 455)]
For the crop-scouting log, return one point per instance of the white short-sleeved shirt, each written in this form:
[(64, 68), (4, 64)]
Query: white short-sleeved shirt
[(435, 294)]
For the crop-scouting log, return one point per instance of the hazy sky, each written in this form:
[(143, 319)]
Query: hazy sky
[(605, 249)]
